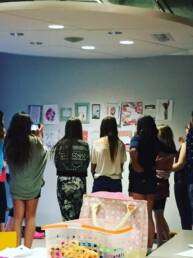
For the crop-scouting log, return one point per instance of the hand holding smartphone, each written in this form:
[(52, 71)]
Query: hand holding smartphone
[(37, 130)]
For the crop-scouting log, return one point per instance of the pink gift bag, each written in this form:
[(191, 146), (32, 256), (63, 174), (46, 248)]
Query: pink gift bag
[(116, 211)]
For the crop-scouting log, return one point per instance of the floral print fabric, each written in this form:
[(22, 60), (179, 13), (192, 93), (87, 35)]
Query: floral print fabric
[(70, 192)]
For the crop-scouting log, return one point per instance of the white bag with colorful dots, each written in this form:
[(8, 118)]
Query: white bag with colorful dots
[(118, 211)]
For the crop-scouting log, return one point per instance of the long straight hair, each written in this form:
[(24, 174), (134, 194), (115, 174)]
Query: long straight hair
[(147, 130), (17, 141), (109, 128), (166, 136), (73, 132)]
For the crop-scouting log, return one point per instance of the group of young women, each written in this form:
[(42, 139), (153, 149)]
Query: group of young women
[(26, 158)]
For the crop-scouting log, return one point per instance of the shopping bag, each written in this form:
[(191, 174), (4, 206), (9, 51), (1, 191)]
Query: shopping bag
[(111, 225), (79, 239), (117, 211)]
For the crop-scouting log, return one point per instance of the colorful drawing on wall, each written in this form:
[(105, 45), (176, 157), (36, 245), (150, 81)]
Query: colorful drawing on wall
[(35, 112), (131, 112), (65, 113), (85, 136), (164, 109), (50, 114), (114, 110), (150, 110), (82, 111), (96, 110)]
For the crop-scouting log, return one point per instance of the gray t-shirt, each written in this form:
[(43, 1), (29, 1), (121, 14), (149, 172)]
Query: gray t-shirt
[(26, 181)]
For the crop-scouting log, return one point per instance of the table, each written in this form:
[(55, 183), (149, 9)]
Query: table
[(177, 244)]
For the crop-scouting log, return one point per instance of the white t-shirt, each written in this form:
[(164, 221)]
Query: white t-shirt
[(100, 155)]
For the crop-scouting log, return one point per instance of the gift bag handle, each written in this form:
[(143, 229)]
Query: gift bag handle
[(95, 208)]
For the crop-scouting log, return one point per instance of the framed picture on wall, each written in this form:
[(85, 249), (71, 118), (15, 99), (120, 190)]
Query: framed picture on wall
[(82, 111), (114, 110), (65, 113), (96, 111), (35, 113), (50, 114)]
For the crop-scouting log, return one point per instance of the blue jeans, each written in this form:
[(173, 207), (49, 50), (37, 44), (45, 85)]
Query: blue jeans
[(105, 183)]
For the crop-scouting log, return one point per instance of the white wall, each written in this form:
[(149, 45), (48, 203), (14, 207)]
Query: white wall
[(32, 80)]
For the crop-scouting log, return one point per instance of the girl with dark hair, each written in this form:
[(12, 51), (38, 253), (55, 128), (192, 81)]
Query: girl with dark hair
[(71, 157), (107, 158), (144, 148), (185, 160), (3, 200), (165, 135), (26, 158)]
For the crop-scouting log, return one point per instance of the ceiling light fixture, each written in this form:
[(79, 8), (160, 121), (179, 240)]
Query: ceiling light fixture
[(56, 26), (126, 42), (17, 34), (88, 47), (115, 32), (73, 39)]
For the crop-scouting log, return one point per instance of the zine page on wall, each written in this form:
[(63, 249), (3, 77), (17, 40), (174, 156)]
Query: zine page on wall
[(164, 109), (51, 135)]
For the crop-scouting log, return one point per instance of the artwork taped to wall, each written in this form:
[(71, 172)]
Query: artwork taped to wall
[(96, 111), (35, 113), (82, 111), (65, 113), (131, 112), (125, 136), (164, 109), (50, 114), (51, 136), (85, 135), (114, 110), (150, 110)]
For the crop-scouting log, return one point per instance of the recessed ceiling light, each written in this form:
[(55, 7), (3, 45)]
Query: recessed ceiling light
[(56, 26), (18, 34), (115, 32), (126, 42), (73, 39), (88, 47)]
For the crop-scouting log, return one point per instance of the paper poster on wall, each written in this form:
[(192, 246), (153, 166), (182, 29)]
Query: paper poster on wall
[(150, 110), (114, 110), (93, 136), (51, 136), (82, 111), (50, 114), (164, 109), (65, 113), (96, 110), (131, 112), (125, 137), (35, 113), (85, 135)]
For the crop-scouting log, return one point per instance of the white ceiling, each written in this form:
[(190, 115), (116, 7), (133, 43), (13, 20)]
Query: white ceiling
[(93, 22)]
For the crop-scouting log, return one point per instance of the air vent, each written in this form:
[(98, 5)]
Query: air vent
[(73, 39), (162, 37)]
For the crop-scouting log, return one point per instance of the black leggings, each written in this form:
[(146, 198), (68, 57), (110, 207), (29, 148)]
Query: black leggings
[(183, 204), (3, 202)]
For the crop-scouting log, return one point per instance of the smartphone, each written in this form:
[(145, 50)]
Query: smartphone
[(34, 127)]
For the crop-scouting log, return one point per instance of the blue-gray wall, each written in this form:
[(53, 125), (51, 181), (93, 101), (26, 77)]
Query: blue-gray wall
[(31, 80)]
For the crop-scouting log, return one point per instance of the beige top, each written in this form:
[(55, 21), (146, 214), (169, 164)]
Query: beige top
[(100, 155)]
